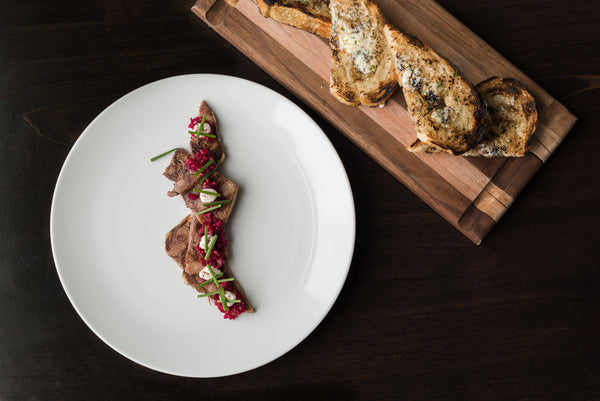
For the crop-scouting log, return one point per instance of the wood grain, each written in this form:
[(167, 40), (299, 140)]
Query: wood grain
[(300, 61), (423, 315)]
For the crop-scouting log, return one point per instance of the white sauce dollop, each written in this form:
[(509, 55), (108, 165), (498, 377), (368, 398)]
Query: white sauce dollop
[(230, 296), (204, 240), (206, 198), (206, 129), (205, 274)]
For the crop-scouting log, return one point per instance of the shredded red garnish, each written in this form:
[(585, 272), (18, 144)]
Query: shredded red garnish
[(234, 310), (217, 257), (197, 161), (197, 120), (208, 183)]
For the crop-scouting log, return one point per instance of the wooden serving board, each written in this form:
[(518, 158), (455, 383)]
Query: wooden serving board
[(471, 193)]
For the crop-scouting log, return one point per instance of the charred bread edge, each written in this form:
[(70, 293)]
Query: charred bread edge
[(303, 10), (321, 27), (481, 112)]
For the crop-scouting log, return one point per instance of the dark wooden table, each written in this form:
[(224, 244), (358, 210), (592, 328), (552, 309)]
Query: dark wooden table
[(516, 318)]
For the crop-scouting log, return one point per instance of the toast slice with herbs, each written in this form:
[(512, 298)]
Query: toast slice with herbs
[(309, 15), (513, 120), (363, 70), (445, 107)]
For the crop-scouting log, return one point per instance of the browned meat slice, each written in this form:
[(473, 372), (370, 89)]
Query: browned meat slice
[(214, 145), (177, 164), (177, 171), (176, 240), (225, 187), (193, 263), (193, 266), (194, 281)]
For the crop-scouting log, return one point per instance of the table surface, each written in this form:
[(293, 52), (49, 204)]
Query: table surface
[(515, 318)]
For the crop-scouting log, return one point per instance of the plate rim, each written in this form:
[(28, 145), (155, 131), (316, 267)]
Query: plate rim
[(346, 262)]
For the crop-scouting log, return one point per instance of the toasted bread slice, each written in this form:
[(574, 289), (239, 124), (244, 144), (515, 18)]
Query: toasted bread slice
[(363, 70), (513, 119), (445, 107), (309, 15)]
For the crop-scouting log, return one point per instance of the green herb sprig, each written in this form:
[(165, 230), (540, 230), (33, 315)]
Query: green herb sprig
[(204, 167), (163, 154)]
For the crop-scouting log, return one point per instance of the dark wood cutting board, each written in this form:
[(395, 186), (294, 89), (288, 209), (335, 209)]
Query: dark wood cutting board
[(471, 193)]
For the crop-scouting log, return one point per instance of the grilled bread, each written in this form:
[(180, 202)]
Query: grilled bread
[(445, 107), (513, 119), (363, 70), (309, 15)]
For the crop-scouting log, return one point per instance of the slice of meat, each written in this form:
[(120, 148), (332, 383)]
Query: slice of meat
[(177, 164), (178, 172), (193, 262), (176, 240), (193, 265), (225, 187), (194, 281), (197, 143)]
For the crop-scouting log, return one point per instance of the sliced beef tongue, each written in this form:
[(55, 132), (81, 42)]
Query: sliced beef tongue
[(225, 187), (177, 171), (197, 143), (177, 164), (176, 240), (182, 240), (193, 265)]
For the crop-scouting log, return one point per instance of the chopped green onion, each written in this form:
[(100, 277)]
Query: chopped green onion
[(213, 241), (226, 279), (235, 301), (209, 193), (205, 176), (201, 125), (207, 135), (455, 74), (221, 202), (206, 165), (205, 237), (222, 298), (210, 280), (210, 209), (207, 294), (163, 154)]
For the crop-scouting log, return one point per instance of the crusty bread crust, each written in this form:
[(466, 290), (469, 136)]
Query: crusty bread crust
[(513, 117), (362, 70), (443, 104), (311, 16), (513, 120)]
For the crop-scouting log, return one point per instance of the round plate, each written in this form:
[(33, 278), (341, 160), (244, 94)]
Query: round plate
[(290, 235)]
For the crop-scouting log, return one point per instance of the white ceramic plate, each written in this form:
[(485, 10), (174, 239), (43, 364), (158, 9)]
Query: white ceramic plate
[(291, 234)]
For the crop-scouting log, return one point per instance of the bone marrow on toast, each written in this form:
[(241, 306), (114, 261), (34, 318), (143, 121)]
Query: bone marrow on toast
[(198, 244), (371, 58)]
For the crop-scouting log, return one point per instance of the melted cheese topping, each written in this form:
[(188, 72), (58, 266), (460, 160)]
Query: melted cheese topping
[(357, 36)]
